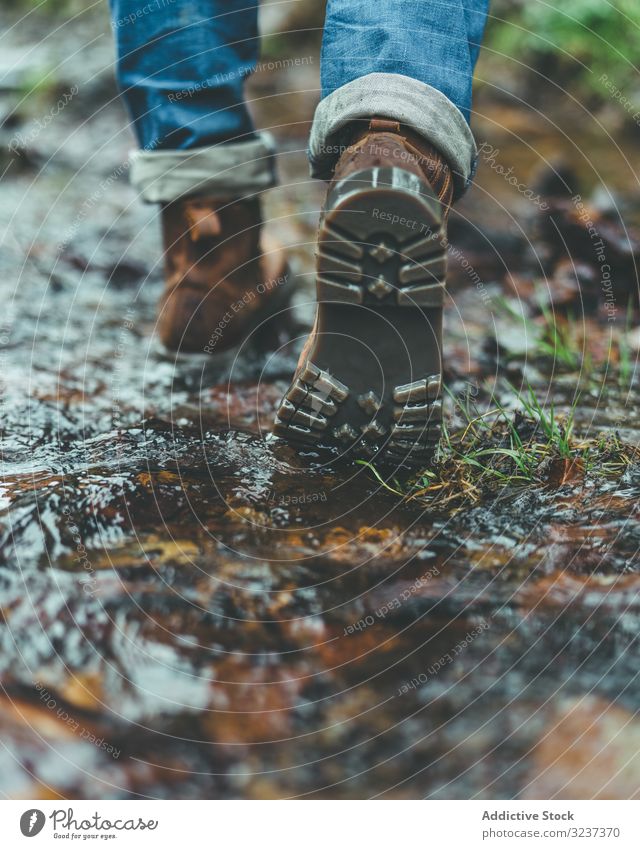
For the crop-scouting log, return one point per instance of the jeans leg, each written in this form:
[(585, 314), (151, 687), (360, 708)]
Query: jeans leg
[(408, 60), (181, 67)]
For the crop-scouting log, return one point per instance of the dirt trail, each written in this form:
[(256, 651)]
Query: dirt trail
[(190, 609)]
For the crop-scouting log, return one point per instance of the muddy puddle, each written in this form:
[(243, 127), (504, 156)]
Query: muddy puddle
[(191, 609)]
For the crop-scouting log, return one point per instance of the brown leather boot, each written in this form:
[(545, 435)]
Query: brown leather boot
[(369, 377), (219, 283)]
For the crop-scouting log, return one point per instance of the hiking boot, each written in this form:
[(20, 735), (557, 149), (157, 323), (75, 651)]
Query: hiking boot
[(369, 378), (219, 283)]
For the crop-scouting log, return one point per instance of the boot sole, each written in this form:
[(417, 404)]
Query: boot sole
[(371, 383)]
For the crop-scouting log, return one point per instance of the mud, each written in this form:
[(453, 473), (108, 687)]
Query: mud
[(190, 609)]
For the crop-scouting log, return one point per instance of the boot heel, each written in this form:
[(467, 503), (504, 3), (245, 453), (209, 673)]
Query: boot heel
[(371, 384)]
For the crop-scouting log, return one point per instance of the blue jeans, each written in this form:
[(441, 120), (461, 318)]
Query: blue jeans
[(182, 66)]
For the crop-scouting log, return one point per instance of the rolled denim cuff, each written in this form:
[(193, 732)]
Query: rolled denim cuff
[(410, 102), (230, 170)]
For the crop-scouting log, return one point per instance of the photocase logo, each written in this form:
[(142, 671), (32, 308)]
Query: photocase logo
[(32, 822)]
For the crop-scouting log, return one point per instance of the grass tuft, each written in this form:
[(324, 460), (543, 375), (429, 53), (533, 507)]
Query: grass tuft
[(490, 452)]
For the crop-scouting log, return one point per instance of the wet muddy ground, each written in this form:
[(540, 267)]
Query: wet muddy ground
[(190, 609)]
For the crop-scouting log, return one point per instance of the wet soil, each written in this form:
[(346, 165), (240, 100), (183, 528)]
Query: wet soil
[(191, 609)]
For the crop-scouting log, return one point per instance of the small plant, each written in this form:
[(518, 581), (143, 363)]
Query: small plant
[(626, 365), (557, 434), (530, 446), (559, 339), (554, 337)]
